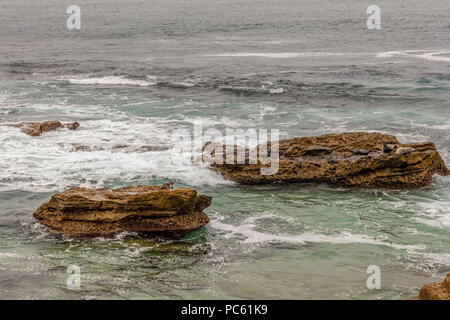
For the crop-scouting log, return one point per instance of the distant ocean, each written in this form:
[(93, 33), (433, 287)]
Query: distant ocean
[(138, 70)]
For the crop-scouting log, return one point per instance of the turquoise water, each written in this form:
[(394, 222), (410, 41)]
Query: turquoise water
[(296, 241), (136, 79)]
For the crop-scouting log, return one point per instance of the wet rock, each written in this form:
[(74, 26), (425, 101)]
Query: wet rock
[(338, 164), (360, 151), (436, 290), (72, 126), (168, 185), (387, 148), (404, 150), (35, 129), (152, 148), (150, 210)]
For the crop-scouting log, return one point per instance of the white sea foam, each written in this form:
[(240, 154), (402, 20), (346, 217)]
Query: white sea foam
[(431, 55), (213, 121), (3, 98), (10, 255), (252, 236), (149, 80), (437, 258), (282, 55), (276, 90), (48, 162), (435, 214), (113, 80)]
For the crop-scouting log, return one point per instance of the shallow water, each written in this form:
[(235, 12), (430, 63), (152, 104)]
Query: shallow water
[(137, 72)]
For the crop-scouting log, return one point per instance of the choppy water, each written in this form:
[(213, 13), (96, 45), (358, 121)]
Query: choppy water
[(138, 70)]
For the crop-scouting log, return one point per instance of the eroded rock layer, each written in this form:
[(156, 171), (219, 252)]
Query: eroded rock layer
[(151, 210), (357, 159)]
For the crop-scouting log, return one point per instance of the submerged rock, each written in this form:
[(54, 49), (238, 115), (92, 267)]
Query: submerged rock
[(357, 159), (436, 290), (35, 129), (72, 126), (78, 147), (149, 210)]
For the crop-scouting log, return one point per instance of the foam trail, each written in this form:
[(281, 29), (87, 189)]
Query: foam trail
[(111, 80), (283, 55), (429, 55), (254, 237)]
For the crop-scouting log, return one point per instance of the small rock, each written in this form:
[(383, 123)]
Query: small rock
[(387, 148), (120, 146), (72, 126), (360, 151), (404, 150), (35, 129), (152, 148), (167, 186)]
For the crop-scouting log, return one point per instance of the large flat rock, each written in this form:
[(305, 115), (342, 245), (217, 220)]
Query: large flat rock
[(356, 159), (153, 210)]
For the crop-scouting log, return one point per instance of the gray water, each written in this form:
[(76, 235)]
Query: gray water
[(138, 70)]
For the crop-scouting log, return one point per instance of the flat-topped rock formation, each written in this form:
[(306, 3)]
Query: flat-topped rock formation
[(151, 210), (435, 290), (35, 129), (357, 159)]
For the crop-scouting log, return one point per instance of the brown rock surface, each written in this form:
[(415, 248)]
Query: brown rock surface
[(35, 129), (72, 126), (144, 209), (338, 159), (436, 290)]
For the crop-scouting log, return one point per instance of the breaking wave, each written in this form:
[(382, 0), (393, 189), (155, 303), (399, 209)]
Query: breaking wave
[(280, 55), (111, 80), (430, 55), (247, 229)]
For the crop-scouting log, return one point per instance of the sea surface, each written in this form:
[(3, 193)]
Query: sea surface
[(138, 71)]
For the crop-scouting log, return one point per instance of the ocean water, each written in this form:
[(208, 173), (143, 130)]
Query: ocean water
[(137, 71)]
